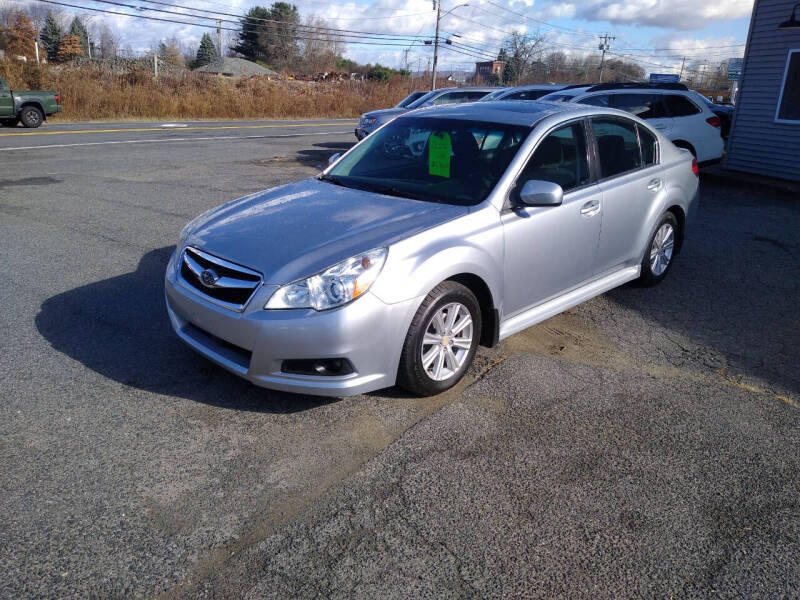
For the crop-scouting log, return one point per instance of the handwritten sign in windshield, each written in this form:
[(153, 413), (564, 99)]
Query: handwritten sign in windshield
[(439, 150)]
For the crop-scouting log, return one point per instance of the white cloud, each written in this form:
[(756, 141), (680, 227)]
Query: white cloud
[(673, 14)]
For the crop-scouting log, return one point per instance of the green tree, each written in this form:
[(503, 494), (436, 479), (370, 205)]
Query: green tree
[(207, 51), (50, 36), (78, 29), (169, 53), (270, 35)]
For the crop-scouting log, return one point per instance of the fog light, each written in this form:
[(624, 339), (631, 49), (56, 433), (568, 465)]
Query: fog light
[(329, 367)]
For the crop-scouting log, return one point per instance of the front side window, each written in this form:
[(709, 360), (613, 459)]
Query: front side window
[(432, 159), (644, 106), (680, 106), (450, 98), (617, 146), (473, 96), (559, 158), (789, 102)]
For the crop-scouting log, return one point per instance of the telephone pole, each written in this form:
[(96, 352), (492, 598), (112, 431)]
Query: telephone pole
[(219, 38), (604, 47), (438, 6), (683, 63)]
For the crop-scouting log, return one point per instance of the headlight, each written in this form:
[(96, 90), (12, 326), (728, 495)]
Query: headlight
[(338, 285), (365, 121)]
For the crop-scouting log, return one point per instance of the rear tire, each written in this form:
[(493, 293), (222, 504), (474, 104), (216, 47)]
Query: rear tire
[(31, 117), (660, 253), (441, 341)]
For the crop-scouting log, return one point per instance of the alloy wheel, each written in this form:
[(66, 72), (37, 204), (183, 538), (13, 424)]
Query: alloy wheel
[(662, 248), (447, 341)]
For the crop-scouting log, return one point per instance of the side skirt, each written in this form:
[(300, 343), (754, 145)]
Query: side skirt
[(551, 308)]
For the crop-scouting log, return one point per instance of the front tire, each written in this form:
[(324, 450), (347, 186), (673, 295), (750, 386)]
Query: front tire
[(31, 117), (441, 341), (660, 253)]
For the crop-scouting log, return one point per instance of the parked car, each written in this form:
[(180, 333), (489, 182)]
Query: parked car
[(415, 95), (524, 92), (723, 111), (669, 107), (29, 108), (370, 121), (392, 266)]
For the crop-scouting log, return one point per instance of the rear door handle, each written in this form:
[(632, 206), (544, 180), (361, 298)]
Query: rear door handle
[(660, 126), (590, 208), (654, 185)]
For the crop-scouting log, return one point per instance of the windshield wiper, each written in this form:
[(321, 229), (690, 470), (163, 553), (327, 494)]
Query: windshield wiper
[(390, 190), (332, 179)]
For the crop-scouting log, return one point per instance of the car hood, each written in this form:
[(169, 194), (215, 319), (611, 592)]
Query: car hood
[(299, 229), (385, 114)]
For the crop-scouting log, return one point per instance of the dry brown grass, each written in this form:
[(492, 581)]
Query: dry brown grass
[(90, 92)]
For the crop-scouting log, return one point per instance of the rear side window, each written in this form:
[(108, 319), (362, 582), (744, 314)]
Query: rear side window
[(680, 106), (599, 100), (560, 158), (617, 146), (644, 106), (649, 146)]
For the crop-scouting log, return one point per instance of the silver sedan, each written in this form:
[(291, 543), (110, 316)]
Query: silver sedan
[(447, 228)]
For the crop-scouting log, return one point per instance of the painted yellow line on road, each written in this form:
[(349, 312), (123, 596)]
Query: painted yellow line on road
[(131, 129)]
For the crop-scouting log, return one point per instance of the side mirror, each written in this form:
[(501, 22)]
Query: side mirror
[(541, 193), (334, 157)]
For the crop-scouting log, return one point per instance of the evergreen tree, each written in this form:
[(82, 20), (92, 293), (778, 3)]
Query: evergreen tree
[(508, 71), (50, 36), (78, 29), (270, 35), (69, 48), (207, 52), (170, 54)]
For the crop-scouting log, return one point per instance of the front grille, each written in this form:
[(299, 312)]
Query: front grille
[(222, 282)]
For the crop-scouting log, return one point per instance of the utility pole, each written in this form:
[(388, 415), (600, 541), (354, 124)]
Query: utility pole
[(604, 47), (405, 59), (219, 38), (683, 63), (155, 64), (437, 4)]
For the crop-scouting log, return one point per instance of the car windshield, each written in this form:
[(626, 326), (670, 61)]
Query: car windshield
[(409, 99), (422, 100), (493, 95), (426, 158)]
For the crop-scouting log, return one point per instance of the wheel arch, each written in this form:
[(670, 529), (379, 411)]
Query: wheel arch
[(687, 145), (490, 316), (35, 103), (680, 217)]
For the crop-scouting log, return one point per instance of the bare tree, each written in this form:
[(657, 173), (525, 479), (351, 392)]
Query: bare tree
[(320, 54), (524, 56), (109, 40)]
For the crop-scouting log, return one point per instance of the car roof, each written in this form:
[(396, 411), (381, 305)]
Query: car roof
[(538, 86), (511, 112)]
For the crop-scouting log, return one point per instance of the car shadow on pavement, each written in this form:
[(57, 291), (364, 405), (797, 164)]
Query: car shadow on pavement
[(318, 157), (730, 302), (119, 327)]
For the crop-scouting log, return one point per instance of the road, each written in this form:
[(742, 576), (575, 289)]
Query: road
[(642, 444)]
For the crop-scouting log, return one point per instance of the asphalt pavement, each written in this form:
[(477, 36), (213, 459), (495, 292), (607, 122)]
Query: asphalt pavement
[(644, 444)]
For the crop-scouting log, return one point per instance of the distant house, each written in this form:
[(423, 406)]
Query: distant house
[(765, 133), (234, 67)]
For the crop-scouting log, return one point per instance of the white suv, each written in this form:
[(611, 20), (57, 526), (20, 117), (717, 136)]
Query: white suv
[(670, 108)]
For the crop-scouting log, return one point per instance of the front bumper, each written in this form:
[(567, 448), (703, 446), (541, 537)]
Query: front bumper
[(254, 343)]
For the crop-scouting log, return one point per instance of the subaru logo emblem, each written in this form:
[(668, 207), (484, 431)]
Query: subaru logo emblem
[(209, 277)]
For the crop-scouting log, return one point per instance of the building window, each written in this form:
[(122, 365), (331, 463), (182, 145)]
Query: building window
[(789, 100)]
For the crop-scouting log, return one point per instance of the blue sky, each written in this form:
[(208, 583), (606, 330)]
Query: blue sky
[(654, 33)]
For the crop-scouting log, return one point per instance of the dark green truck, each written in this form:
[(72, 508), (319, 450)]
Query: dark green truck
[(28, 108)]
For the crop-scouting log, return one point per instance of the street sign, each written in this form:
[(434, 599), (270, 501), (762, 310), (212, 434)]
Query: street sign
[(664, 78), (735, 68)]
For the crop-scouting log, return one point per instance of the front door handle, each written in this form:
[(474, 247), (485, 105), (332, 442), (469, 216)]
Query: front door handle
[(654, 185), (590, 208)]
